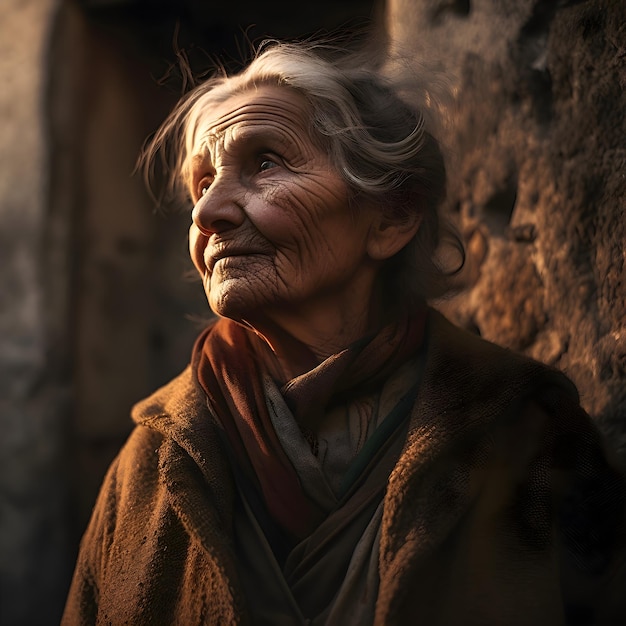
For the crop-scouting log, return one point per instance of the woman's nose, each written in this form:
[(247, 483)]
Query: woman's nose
[(219, 208)]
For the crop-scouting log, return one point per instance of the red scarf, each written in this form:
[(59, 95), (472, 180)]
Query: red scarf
[(229, 365)]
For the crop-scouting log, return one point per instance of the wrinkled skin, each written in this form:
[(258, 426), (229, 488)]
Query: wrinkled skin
[(272, 236)]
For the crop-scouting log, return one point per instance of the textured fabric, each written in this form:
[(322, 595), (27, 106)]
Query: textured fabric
[(332, 574), (502, 508), (316, 569), (229, 361), (276, 602)]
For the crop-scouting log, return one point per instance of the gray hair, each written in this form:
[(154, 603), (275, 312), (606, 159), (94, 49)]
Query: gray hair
[(378, 143)]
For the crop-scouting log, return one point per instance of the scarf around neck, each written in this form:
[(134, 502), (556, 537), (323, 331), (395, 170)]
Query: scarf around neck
[(230, 363)]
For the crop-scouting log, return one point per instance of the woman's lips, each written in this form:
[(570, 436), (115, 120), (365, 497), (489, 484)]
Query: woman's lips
[(212, 259), (246, 244)]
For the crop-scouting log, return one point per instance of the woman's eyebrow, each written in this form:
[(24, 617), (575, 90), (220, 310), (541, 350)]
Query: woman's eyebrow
[(258, 134)]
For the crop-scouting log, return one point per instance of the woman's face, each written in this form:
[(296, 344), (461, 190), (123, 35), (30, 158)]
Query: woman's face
[(272, 235)]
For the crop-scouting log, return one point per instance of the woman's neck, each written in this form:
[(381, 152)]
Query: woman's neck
[(299, 347)]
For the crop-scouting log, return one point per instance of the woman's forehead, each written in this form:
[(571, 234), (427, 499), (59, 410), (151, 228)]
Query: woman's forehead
[(279, 109)]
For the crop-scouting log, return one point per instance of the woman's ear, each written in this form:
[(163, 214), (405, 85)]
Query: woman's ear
[(390, 233)]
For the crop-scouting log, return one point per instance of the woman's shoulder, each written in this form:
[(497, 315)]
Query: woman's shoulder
[(468, 366), (173, 428), (179, 396)]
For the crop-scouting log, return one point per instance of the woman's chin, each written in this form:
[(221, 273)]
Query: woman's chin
[(234, 303)]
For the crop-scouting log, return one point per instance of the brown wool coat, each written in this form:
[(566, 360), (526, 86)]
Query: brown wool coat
[(501, 510)]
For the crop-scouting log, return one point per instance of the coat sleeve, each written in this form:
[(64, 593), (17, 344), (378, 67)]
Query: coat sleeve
[(519, 522), (563, 497), (126, 500), (589, 496), (81, 606)]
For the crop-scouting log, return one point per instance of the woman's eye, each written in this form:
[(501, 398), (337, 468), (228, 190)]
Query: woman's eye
[(266, 164), (203, 186)]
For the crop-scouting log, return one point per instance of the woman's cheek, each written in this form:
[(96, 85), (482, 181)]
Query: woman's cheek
[(281, 212)]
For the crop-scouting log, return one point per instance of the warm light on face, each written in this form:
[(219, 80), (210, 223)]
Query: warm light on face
[(272, 230)]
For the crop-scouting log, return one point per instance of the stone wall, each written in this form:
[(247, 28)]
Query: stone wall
[(537, 163)]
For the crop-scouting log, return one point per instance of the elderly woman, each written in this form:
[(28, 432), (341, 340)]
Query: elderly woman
[(337, 452)]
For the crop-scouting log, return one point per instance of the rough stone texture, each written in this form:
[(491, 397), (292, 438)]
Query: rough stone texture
[(536, 139)]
